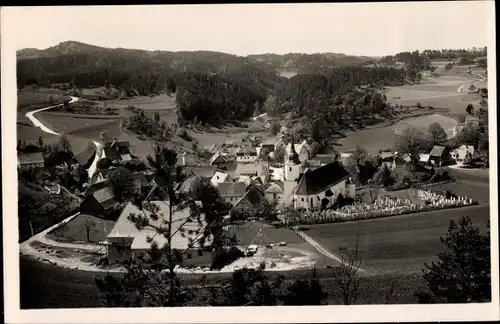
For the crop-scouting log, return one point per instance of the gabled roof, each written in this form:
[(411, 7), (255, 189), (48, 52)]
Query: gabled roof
[(217, 157), (325, 158), (254, 197), (84, 157), (105, 197), (31, 158), (320, 179), (274, 188), (124, 228), (246, 169), (437, 151), (231, 189), (219, 177)]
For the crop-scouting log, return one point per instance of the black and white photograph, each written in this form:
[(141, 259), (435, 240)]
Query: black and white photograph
[(234, 156)]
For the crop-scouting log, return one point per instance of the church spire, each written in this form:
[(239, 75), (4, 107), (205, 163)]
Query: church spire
[(292, 155)]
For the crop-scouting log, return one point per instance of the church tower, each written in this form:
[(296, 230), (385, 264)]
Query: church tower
[(291, 172)]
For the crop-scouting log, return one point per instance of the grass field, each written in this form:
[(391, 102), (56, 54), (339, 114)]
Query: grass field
[(76, 229), (65, 124), (396, 245), (423, 123)]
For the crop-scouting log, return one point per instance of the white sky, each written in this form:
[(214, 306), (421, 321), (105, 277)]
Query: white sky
[(357, 28)]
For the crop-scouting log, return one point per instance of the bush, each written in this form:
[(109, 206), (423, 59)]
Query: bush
[(419, 105)]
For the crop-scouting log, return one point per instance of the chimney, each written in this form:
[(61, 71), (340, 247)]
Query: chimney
[(183, 158)]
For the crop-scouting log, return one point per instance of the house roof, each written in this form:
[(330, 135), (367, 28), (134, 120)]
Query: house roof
[(274, 188), (126, 157), (320, 179), (105, 196), (219, 177), (253, 197), (437, 151), (30, 158), (216, 158), (325, 158), (124, 228), (246, 151), (246, 169), (231, 189), (385, 155)]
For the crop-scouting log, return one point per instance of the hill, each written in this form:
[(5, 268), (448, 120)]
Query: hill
[(305, 63)]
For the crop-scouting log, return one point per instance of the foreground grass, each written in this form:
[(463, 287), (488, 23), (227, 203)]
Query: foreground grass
[(47, 286)]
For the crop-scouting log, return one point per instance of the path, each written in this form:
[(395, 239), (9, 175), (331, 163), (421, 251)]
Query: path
[(325, 251), (37, 123), (25, 248)]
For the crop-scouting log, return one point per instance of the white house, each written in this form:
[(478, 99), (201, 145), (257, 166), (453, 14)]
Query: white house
[(247, 155), (126, 242), (30, 161), (274, 193), (303, 150), (463, 155), (220, 177)]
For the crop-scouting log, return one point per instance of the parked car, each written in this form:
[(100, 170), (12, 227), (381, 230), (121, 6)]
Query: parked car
[(282, 243), (251, 250)]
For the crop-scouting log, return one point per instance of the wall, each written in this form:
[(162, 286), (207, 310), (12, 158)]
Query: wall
[(246, 158)]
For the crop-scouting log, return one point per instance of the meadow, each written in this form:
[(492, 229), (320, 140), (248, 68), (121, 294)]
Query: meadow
[(396, 245)]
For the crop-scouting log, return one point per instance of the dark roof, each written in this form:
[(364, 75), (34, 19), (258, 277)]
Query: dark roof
[(320, 179), (122, 147), (111, 153), (325, 158), (437, 151), (29, 158), (254, 196), (231, 189), (105, 197)]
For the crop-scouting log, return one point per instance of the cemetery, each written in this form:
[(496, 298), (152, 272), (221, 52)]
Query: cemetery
[(419, 200)]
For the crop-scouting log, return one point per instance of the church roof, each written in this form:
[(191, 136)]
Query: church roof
[(320, 179)]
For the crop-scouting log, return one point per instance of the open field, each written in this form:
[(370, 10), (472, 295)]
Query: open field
[(65, 124), (398, 244), (423, 123), (76, 230), (28, 99), (92, 132), (372, 140)]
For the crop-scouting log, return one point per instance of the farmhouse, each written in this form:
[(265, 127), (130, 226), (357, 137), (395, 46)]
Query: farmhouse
[(303, 150), (274, 192), (251, 204), (439, 155), (30, 161), (210, 148), (126, 242), (217, 159), (100, 201), (463, 155), (231, 192), (116, 150), (248, 155), (260, 169), (268, 144), (220, 177)]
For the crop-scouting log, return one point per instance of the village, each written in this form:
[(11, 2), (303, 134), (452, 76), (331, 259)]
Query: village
[(266, 183)]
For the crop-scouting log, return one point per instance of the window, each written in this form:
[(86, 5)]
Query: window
[(189, 255), (200, 253), (290, 169), (302, 199)]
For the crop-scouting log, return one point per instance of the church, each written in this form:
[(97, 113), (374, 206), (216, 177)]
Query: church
[(317, 188)]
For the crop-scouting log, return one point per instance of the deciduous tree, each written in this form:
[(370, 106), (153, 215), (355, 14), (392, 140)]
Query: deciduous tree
[(437, 133)]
